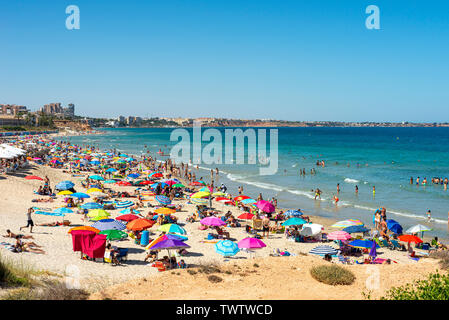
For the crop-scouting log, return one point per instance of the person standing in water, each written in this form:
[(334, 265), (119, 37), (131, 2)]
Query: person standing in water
[(338, 188), (356, 189), (429, 216), (374, 191)]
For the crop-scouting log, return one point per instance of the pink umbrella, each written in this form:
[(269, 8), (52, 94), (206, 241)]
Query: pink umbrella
[(170, 182), (339, 235), (251, 243), (265, 206), (212, 221)]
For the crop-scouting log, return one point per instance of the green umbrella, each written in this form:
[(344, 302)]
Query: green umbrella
[(178, 185), (114, 234)]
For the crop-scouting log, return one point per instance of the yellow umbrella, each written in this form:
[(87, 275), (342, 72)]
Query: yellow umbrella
[(98, 214), (64, 193), (201, 194), (218, 194), (164, 211), (93, 190)]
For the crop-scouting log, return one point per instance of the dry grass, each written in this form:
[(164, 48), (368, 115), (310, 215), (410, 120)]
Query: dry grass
[(214, 279), (48, 290), (443, 256), (332, 274)]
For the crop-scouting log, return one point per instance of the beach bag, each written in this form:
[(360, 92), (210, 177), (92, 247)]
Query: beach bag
[(210, 236)]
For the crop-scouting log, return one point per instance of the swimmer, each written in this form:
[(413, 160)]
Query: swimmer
[(374, 191), (336, 200), (356, 189)]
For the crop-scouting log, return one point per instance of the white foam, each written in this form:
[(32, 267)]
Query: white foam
[(349, 180)]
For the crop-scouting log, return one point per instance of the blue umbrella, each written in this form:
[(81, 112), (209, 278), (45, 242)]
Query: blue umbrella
[(293, 213), (109, 224), (123, 204), (111, 170), (97, 177), (226, 248), (65, 185), (176, 237), (154, 185), (294, 222), (95, 162), (365, 244), (163, 200), (248, 201), (394, 226), (133, 175), (63, 210), (323, 250), (92, 205), (79, 195), (355, 229)]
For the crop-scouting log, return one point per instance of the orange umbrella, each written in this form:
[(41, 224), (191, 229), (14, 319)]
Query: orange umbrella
[(88, 228), (139, 224), (164, 211), (410, 238)]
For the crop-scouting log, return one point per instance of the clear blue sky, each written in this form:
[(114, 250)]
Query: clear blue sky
[(291, 60)]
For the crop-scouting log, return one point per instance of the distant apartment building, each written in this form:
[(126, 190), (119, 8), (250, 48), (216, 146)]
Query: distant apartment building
[(133, 121), (58, 110), (121, 120), (11, 109)]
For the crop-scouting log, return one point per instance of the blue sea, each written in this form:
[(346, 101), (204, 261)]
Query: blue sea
[(382, 157)]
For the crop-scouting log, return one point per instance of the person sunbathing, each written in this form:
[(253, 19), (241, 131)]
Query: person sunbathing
[(52, 224), (13, 235), (42, 200), (29, 247), (221, 232)]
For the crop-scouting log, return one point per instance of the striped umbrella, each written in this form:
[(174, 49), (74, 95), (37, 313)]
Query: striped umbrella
[(339, 235), (346, 223), (293, 213), (109, 224), (123, 204), (226, 248), (163, 200), (129, 210), (172, 228), (91, 205), (323, 250), (199, 201)]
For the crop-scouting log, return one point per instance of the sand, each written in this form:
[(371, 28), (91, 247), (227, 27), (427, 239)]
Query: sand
[(276, 278)]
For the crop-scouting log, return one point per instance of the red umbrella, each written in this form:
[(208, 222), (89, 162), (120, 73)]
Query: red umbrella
[(33, 178), (246, 216), (123, 183), (146, 182), (221, 198), (242, 197), (140, 224), (127, 217), (196, 183), (410, 238), (157, 175)]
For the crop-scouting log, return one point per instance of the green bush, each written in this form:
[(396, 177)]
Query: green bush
[(332, 274), (435, 287)]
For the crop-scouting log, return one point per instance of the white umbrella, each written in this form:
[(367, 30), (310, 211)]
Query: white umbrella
[(6, 154), (311, 229), (418, 228), (12, 149)]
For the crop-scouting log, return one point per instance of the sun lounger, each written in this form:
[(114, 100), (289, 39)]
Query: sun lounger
[(396, 245)]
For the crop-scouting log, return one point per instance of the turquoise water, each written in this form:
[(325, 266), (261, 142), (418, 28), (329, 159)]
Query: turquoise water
[(382, 157)]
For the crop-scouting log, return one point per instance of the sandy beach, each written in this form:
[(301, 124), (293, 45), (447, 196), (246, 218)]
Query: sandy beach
[(275, 278)]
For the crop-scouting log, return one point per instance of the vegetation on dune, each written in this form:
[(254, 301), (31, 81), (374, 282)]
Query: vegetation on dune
[(435, 287), (443, 256), (332, 274), (12, 274)]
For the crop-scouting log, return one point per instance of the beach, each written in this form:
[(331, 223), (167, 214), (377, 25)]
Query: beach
[(16, 194)]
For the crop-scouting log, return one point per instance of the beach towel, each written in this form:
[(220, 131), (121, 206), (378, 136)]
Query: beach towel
[(50, 213)]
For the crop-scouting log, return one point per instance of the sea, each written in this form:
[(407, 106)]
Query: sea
[(366, 157)]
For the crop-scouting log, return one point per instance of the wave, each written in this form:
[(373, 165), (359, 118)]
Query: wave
[(349, 180)]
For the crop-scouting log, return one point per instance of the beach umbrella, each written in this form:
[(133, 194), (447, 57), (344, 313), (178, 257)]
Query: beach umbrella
[(197, 183), (109, 224), (265, 206), (293, 213), (218, 194), (123, 204), (93, 190), (33, 178), (64, 193), (212, 222), (200, 194), (418, 228), (169, 244), (410, 238), (221, 198), (178, 185), (164, 211), (363, 244), (355, 229), (311, 229), (98, 214), (127, 217), (86, 228), (172, 228), (163, 238), (80, 195), (114, 234), (111, 170), (156, 175), (345, 223), (226, 248), (123, 183), (63, 210), (339, 235), (323, 250), (248, 201), (251, 243), (133, 175), (163, 200), (91, 205), (64, 185), (394, 226), (139, 224), (109, 181), (246, 216), (294, 222), (241, 197), (97, 178), (145, 182)]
